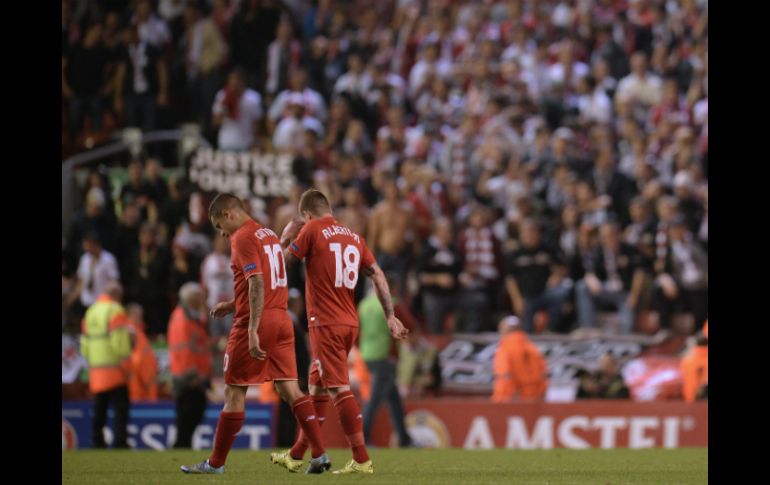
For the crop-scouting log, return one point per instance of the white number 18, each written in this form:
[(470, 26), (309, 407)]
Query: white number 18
[(348, 275)]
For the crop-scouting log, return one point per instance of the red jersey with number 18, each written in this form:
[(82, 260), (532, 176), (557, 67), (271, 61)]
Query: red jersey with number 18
[(257, 250), (334, 257)]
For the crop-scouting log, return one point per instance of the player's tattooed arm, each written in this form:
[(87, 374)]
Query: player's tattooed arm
[(381, 287), (396, 327), (256, 300)]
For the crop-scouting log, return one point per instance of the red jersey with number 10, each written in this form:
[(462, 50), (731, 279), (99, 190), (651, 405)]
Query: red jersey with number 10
[(257, 250), (334, 257)]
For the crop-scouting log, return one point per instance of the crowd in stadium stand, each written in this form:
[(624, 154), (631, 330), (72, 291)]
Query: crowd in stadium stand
[(546, 158)]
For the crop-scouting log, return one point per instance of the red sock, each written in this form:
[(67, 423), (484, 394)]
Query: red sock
[(320, 404), (228, 426), (305, 413), (349, 415)]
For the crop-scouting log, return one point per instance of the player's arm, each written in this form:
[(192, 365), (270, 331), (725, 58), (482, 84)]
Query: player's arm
[(222, 309), (291, 242), (289, 257), (256, 305), (397, 328)]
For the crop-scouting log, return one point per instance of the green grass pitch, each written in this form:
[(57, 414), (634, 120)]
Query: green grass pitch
[(401, 467)]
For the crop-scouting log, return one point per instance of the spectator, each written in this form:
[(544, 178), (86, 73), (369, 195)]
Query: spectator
[(519, 367), (183, 269), (534, 279), (108, 363), (190, 361), (605, 383), (127, 237), (666, 210), (609, 52), (149, 279), (96, 270), (355, 214), (84, 80), (287, 211), (152, 30), (98, 179), (480, 260), (288, 136), (173, 210), (689, 204), (437, 269), (222, 14), (380, 352), (594, 104), (312, 156), (94, 219), (283, 54), (615, 276), (695, 369), (314, 103), (141, 81), (237, 112), (567, 71), (356, 142), (391, 231), (217, 280), (205, 53), (157, 188), (356, 81), (683, 283), (428, 66), (640, 87), (143, 378), (640, 233), (136, 190), (251, 30)]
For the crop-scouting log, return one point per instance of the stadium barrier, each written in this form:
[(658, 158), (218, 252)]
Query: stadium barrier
[(476, 424), (151, 426)]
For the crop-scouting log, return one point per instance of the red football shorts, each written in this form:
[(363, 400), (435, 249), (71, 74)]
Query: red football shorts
[(330, 346), (276, 338)]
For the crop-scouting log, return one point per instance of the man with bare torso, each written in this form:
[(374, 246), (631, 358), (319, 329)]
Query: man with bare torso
[(354, 214), (391, 231)]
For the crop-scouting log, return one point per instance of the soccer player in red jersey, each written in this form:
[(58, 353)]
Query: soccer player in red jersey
[(261, 342), (334, 256)]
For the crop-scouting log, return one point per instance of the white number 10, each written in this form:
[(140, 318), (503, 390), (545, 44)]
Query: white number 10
[(351, 257), (277, 267)]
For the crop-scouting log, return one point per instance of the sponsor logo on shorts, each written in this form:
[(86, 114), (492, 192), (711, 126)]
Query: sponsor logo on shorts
[(318, 365), (227, 361), (250, 267)]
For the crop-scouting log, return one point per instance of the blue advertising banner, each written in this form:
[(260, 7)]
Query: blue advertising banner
[(151, 426)]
